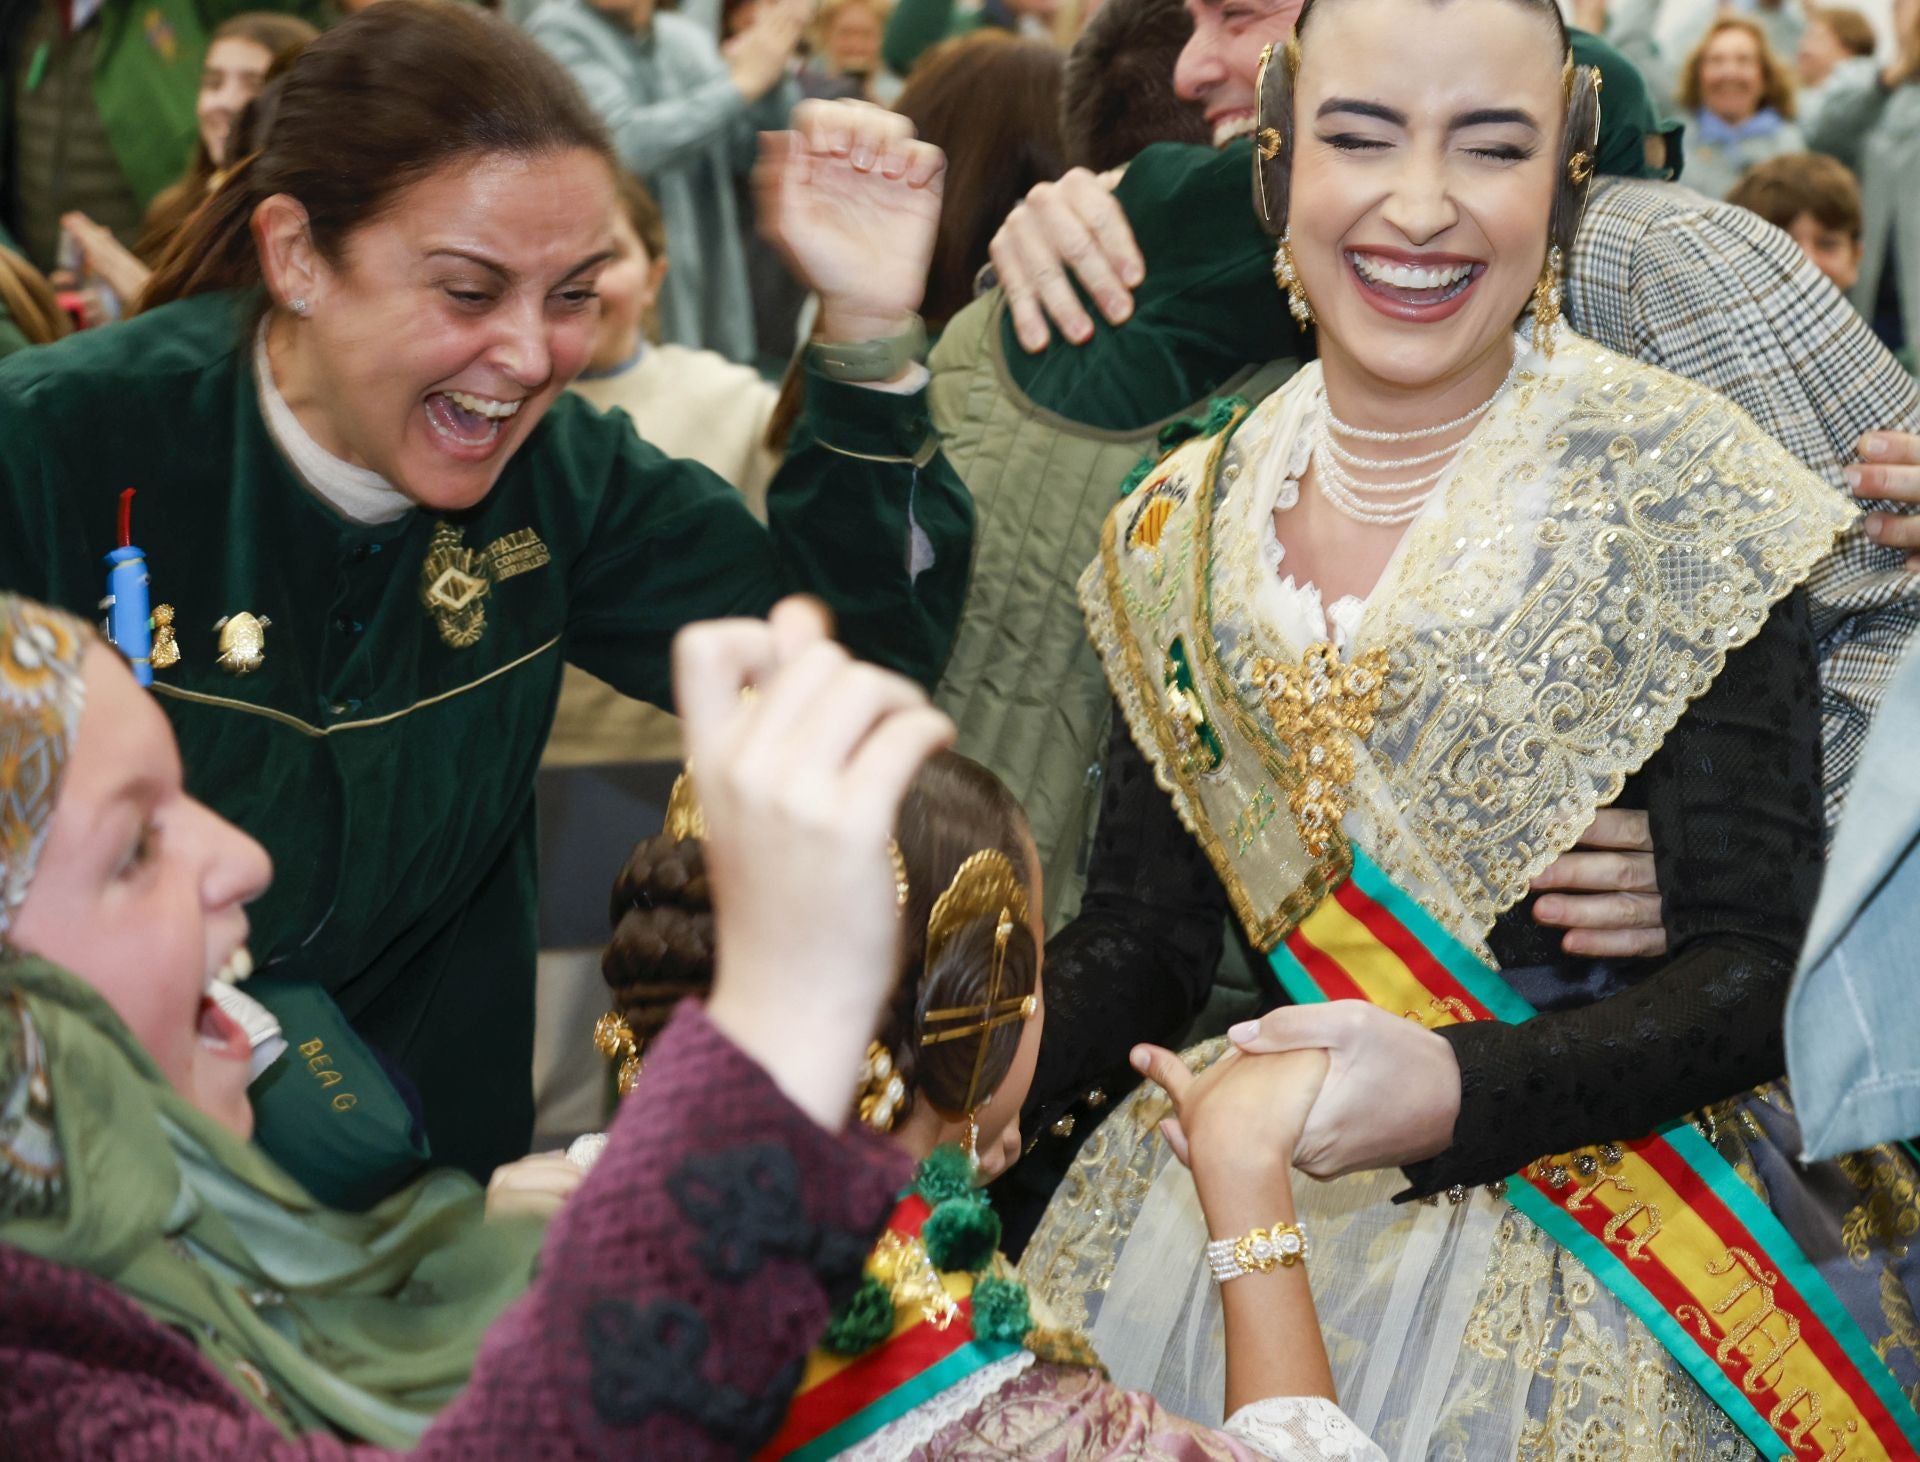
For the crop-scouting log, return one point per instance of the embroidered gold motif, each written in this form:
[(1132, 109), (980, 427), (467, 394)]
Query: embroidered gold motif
[(1320, 708), (517, 553), (902, 1265), (454, 584), (1198, 744), (1253, 819)]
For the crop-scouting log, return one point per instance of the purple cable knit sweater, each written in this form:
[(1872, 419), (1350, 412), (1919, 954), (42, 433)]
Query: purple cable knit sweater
[(679, 1293)]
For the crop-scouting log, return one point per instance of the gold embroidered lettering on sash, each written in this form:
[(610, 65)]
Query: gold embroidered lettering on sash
[(1320, 708), (517, 553), (1755, 1279)]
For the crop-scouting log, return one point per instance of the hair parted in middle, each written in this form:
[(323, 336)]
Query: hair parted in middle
[(1274, 129), (662, 946), (1779, 87)]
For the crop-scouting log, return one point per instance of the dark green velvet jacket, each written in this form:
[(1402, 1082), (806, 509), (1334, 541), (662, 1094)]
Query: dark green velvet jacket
[(389, 770)]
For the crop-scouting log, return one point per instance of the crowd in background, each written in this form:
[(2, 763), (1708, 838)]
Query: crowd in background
[(115, 131)]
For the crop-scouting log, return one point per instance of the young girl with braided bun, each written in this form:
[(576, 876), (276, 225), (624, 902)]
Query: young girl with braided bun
[(941, 1353)]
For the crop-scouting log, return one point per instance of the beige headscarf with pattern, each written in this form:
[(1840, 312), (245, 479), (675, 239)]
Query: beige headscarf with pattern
[(41, 697)]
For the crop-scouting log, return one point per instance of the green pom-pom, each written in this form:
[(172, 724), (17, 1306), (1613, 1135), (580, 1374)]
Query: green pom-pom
[(945, 1173), (1139, 474), (863, 1322), (1219, 416), (962, 1234), (1000, 1311)]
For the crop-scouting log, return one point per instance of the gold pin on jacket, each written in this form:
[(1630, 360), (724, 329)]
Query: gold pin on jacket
[(243, 642)]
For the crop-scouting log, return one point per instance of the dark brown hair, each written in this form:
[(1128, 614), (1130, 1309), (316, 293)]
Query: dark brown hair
[(991, 102), (1776, 79), (1116, 95), (1782, 188), (384, 99), (1273, 165), (662, 946), (1852, 29), (281, 37)]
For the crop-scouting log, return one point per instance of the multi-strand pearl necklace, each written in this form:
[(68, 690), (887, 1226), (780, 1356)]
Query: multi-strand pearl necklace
[(1398, 501)]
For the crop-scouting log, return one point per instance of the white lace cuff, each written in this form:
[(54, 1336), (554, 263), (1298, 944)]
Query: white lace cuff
[(1302, 1429)]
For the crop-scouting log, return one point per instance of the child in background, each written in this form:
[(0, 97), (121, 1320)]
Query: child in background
[(1816, 200)]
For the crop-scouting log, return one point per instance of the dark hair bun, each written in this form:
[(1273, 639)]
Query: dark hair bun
[(662, 945)]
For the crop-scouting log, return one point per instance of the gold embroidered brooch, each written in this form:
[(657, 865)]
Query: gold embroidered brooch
[(1320, 709)]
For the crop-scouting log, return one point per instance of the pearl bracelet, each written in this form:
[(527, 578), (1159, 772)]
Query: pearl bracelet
[(1259, 1252)]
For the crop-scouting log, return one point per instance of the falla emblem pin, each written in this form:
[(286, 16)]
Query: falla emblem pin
[(454, 584), (243, 642), (166, 644)]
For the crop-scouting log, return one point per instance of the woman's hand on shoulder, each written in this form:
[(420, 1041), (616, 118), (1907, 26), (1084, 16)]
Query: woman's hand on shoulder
[(799, 783), (853, 201)]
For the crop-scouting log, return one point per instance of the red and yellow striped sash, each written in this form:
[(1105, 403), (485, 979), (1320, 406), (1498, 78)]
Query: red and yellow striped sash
[(1664, 1222)]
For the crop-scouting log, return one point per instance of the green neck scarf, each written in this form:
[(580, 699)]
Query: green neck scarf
[(363, 1325)]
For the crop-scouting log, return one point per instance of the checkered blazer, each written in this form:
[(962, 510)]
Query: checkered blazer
[(1716, 294)]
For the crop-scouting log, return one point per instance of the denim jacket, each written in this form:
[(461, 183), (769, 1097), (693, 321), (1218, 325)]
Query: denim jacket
[(1853, 1024)]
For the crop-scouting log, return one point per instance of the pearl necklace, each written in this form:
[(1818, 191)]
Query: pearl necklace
[(1361, 434), (1386, 504), (1367, 502)]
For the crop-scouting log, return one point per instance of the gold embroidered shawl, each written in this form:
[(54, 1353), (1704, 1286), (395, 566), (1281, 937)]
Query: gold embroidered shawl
[(1608, 534)]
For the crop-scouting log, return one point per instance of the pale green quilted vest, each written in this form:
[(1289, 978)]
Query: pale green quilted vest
[(1023, 684)]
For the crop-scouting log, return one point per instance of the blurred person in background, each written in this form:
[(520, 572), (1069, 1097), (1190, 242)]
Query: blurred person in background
[(1817, 201), (918, 25), (847, 36), (685, 114), (29, 312), (1739, 100), (1114, 98), (1837, 41), (100, 99), (1871, 121), (244, 50), (689, 403), (991, 102)]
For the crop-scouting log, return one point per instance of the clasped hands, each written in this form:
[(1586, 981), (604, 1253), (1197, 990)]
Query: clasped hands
[(1334, 1088)]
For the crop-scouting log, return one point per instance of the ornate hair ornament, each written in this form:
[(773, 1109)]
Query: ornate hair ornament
[(984, 887), (685, 822)]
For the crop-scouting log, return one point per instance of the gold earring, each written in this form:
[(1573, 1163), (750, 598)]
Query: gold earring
[(1546, 302), (1579, 168), (1288, 278), (882, 1092)]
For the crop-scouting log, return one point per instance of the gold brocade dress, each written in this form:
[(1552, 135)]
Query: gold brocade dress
[(1608, 535)]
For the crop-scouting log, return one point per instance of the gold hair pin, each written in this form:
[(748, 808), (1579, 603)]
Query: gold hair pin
[(686, 822)]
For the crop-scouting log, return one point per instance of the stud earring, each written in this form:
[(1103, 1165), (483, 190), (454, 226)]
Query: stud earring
[(298, 306), (1288, 278), (1546, 302)]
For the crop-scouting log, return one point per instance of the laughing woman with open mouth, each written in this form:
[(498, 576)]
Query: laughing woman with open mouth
[(376, 526)]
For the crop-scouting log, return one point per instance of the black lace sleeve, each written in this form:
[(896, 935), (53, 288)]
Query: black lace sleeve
[(1733, 798), (1136, 964)]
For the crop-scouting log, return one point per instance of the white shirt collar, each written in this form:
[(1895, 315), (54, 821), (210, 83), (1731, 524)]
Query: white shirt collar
[(355, 493)]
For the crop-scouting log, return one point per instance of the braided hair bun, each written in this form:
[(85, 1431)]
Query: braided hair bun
[(662, 945)]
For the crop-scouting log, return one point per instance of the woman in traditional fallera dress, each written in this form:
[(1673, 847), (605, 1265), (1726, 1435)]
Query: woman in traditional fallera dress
[(1386, 642), (941, 1353)]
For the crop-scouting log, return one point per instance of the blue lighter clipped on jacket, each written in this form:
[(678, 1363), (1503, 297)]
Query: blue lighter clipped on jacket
[(129, 621)]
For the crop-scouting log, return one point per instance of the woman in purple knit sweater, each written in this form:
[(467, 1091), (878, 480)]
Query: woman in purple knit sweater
[(169, 1293)]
